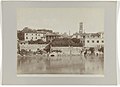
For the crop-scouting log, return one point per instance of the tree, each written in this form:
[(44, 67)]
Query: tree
[(92, 49), (75, 40), (39, 51), (40, 41), (67, 42), (26, 30), (20, 35), (31, 42), (23, 52), (101, 49), (48, 48), (62, 42)]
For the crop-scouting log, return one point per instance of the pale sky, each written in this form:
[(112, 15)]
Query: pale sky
[(61, 19)]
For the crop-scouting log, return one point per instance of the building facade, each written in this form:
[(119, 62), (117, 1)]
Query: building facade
[(34, 36), (46, 36), (51, 36), (94, 40), (32, 47)]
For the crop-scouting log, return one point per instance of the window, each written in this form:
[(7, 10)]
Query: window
[(36, 34), (92, 41), (32, 34), (26, 34), (36, 37), (32, 37), (102, 41), (97, 41), (87, 41), (26, 37)]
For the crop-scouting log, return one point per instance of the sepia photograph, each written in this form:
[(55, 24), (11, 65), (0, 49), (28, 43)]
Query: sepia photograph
[(60, 41)]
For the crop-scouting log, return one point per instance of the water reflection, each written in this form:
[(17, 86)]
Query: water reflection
[(75, 64)]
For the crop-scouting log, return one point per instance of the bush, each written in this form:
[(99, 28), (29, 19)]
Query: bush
[(101, 49), (20, 35), (47, 48), (92, 49), (23, 52)]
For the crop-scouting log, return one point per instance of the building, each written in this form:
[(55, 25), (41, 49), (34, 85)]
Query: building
[(81, 28), (77, 35), (32, 47), (23, 42), (45, 35), (94, 39), (80, 35), (34, 36), (68, 50), (64, 35), (51, 36)]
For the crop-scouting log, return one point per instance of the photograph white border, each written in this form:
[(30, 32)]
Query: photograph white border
[(9, 45)]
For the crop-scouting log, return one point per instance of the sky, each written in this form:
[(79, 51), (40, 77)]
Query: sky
[(61, 19)]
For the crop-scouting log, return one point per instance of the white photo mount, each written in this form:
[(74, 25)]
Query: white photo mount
[(9, 32)]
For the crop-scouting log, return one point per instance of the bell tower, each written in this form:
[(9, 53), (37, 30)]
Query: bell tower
[(80, 27)]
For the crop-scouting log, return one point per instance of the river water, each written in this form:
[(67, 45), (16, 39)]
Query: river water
[(75, 64)]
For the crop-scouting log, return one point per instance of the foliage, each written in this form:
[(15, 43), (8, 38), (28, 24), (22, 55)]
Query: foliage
[(27, 30), (20, 35), (23, 52), (101, 49), (92, 49), (75, 40), (39, 41), (47, 48), (39, 51), (66, 42)]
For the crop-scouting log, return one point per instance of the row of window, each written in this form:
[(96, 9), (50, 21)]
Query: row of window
[(32, 37), (35, 37), (93, 36), (34, 34), (22, 43), (94, 41)]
